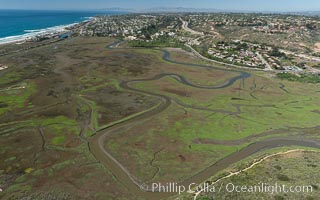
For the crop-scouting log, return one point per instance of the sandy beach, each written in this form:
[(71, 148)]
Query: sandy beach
[(51, 32)]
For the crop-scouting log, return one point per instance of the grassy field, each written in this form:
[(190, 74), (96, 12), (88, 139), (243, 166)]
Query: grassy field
[(41, 116), (266, 104), (54, 98), (262, 103), (304, 78)]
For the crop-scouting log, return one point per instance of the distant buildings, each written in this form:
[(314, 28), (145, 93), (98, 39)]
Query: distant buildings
[(235, 49), (132, 27)]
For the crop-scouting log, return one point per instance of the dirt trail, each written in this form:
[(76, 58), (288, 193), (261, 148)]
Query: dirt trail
[(256, 162)]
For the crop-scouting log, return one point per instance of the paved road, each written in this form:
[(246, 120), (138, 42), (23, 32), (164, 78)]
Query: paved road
[(268, 67), (186, 28), (226, 64)]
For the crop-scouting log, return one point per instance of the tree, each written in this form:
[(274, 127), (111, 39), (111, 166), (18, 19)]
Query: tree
[(276, 53)]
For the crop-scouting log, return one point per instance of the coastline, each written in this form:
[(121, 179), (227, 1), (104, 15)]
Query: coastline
[(50, 32)]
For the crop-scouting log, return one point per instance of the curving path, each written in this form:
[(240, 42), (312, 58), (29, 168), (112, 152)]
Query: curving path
[(132, 183)]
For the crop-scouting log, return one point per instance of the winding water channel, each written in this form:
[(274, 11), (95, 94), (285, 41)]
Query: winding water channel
[(97, 142)]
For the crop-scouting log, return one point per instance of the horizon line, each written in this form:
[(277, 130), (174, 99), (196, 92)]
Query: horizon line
[(144, 10)]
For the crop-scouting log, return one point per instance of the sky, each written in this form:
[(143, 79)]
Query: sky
[(239, 5)]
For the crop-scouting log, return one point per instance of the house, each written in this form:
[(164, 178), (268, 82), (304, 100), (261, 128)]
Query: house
[(2, 67)]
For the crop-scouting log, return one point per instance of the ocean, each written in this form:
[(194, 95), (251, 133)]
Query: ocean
[(19, 24)]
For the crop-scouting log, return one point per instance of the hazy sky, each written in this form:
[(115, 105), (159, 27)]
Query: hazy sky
[(245, 5)]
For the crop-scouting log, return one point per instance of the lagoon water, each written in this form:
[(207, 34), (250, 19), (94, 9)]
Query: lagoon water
[(16, 23)]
